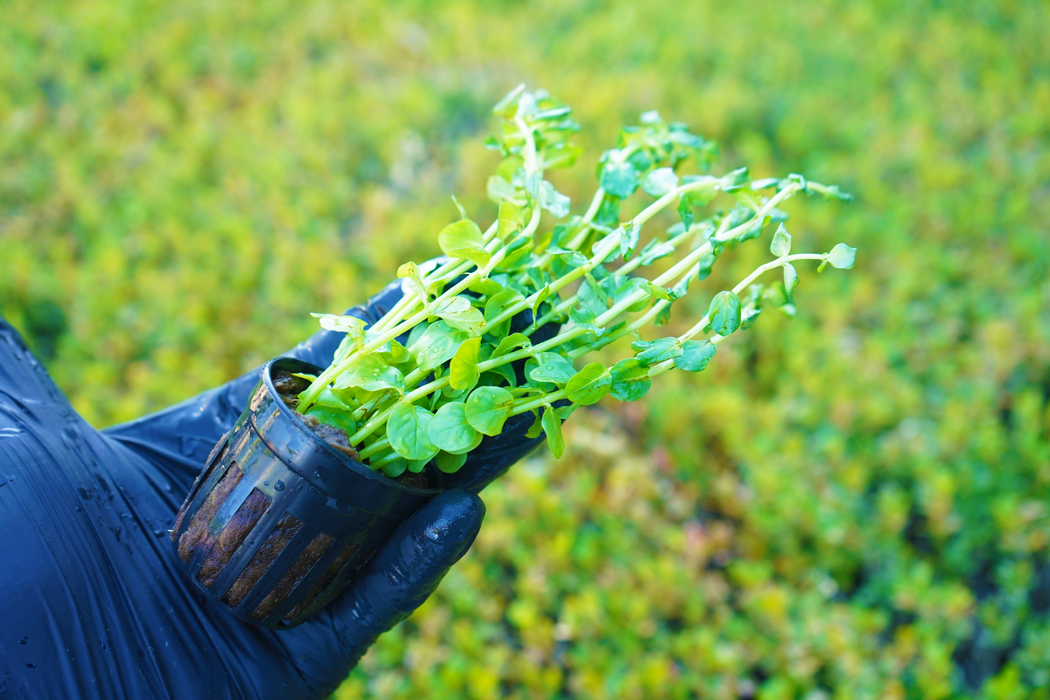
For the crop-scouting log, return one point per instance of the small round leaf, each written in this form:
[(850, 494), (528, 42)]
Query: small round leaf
[(589, 385), (487, 409), (408, 431)]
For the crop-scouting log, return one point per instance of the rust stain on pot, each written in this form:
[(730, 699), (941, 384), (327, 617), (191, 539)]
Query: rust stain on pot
[(214, 459), (271, 548), (198, 527), (233, 535), (322, 583), (299, 568)]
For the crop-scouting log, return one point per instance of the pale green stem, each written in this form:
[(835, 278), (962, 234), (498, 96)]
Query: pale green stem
[(377, 446), (388, 334), (565, 336), (703, 322), (659, 369), (452, 268), (624, 269), (693, 257), (596, 259)]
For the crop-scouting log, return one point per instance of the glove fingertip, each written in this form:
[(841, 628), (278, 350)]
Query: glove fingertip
[(408, 568)]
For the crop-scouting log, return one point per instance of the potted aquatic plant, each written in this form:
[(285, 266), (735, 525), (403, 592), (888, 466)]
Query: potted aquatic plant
[(325, 462)]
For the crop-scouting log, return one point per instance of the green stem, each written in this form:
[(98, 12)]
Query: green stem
[(312, 392), (624, 269), (574, 332), (452, 268), (597, 258), (741, 286), (377, 446)]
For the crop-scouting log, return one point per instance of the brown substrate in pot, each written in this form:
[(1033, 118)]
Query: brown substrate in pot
[(289, 387)]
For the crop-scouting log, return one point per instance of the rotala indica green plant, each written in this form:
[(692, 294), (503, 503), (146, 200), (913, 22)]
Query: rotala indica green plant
[(453, 381)]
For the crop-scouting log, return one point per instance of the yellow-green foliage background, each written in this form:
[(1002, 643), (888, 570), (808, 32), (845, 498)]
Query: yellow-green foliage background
[(850, 505)]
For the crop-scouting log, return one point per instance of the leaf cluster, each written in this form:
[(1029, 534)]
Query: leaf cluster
[(444, 369)]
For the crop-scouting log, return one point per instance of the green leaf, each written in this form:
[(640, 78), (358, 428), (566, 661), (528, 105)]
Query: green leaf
[(371, 373), (506, 372), (572, 257), (496, 304), (660, 181), (685, 211), (629, 240), (790, 279), (462, 211), (585, 318), (330, 399), (413, 280), (833, 192), (608, 212), (552, 427), (450, 430), (457, 312), (655, 250), (353, 327), (799, 179), (394, 352), (449, 463), (651, 352), (663, 316), (594, 297), (630, 380), (487, 409), (781, 244), (748, 316), (776, 295), (764, 183), (416, 465), (734, 181), (510, 343), (589, 385), (486, 286), (552, 367), (499, 190), (618, 179), (724, 313), (629, 287), (518, 253), (536, 428), (334, 417), (559, 155), (508, 106), (658, 292), (346, 348), (704, 265), (408, 431), (695, 355), (437, 344), (463, 240), (553, 201), (394, 469), (511, 220), (564, 412), (541, 297), (842, 256), (463, 370)]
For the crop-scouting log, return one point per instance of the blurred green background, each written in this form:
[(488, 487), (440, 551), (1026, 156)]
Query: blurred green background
[(852, 504)]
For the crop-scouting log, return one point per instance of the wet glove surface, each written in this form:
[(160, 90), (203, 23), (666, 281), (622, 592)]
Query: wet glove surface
[(94, 603)]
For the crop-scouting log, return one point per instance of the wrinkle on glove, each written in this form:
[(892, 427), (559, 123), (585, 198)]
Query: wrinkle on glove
[(95, 603)]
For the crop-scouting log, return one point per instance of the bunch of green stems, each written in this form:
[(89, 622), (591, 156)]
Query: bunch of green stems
[(598, 245)]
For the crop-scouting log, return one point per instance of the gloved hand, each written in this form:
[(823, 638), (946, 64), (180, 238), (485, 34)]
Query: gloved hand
[(93, 601)]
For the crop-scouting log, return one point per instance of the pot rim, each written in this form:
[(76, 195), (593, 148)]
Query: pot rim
[(356, 466)]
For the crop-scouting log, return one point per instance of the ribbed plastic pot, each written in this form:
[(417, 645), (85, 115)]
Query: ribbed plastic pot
[(280, 522)]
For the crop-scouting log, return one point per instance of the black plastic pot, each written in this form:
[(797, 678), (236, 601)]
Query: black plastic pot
[(280, 522)]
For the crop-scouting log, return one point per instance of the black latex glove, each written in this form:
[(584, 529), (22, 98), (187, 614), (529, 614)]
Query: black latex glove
[(92, 602)]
